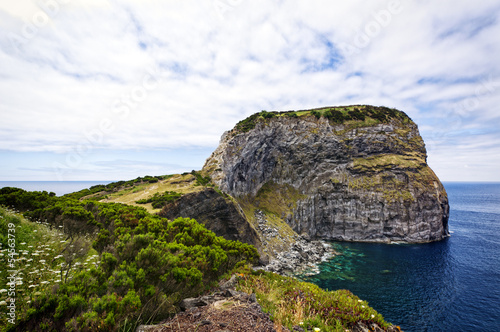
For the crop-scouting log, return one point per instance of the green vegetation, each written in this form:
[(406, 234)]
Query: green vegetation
[(267, 115), (45, 257), (294, 303), (114, 186), (248, 123), (200, 179), (277, 199), (160, 200), (182, 184), (353, 116), (144, 263)]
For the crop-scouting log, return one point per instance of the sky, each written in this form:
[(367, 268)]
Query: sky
[(112, 90)]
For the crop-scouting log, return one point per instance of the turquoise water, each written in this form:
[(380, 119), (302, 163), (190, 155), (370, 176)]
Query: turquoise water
[(58, 187), (451, 285)]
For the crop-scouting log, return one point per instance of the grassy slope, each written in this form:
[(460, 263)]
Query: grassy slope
[(40, 264), (294, 303), (181, 183)]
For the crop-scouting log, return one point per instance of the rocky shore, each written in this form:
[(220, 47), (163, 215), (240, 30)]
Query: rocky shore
[(303, 257)]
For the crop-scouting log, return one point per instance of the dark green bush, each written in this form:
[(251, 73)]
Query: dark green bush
[(317, 114), (335, 116), (356, 114), (248, 123), (147, 265), (200, 179), (267, 115), (159, 200)]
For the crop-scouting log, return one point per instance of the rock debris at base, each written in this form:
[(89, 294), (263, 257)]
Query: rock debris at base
[(303, 255)]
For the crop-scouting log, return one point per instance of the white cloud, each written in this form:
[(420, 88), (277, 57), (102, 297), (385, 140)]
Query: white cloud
[(96, 61)]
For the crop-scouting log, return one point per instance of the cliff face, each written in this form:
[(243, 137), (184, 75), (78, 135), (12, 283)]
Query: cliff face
[(356, 173), (218, 214)]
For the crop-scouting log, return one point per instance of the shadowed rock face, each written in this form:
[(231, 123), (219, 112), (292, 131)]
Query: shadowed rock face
[(219, 215), (358, 180)]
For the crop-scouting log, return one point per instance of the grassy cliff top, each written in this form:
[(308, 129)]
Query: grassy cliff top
[(144, 191), (372, 115)]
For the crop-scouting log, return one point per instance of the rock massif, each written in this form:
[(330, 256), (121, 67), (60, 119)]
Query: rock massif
[(353, 173)]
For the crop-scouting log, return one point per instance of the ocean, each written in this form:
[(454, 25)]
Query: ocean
[(451, 285), (58, 187)]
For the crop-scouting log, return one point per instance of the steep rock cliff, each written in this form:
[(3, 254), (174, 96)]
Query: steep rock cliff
[(354, 173)]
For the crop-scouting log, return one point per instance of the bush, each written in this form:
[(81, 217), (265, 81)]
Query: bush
[(356, 114), (147, 265), (267, 115), (160, 200), (248, 123), (317, 114), (335, 116), (200, 179)]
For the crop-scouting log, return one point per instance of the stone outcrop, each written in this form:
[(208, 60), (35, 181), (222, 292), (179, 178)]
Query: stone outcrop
[(295, 255), (356, 173), (219, 214)]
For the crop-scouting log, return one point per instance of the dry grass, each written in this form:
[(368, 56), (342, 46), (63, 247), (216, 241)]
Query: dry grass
[(388, 161), (183, 184)]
